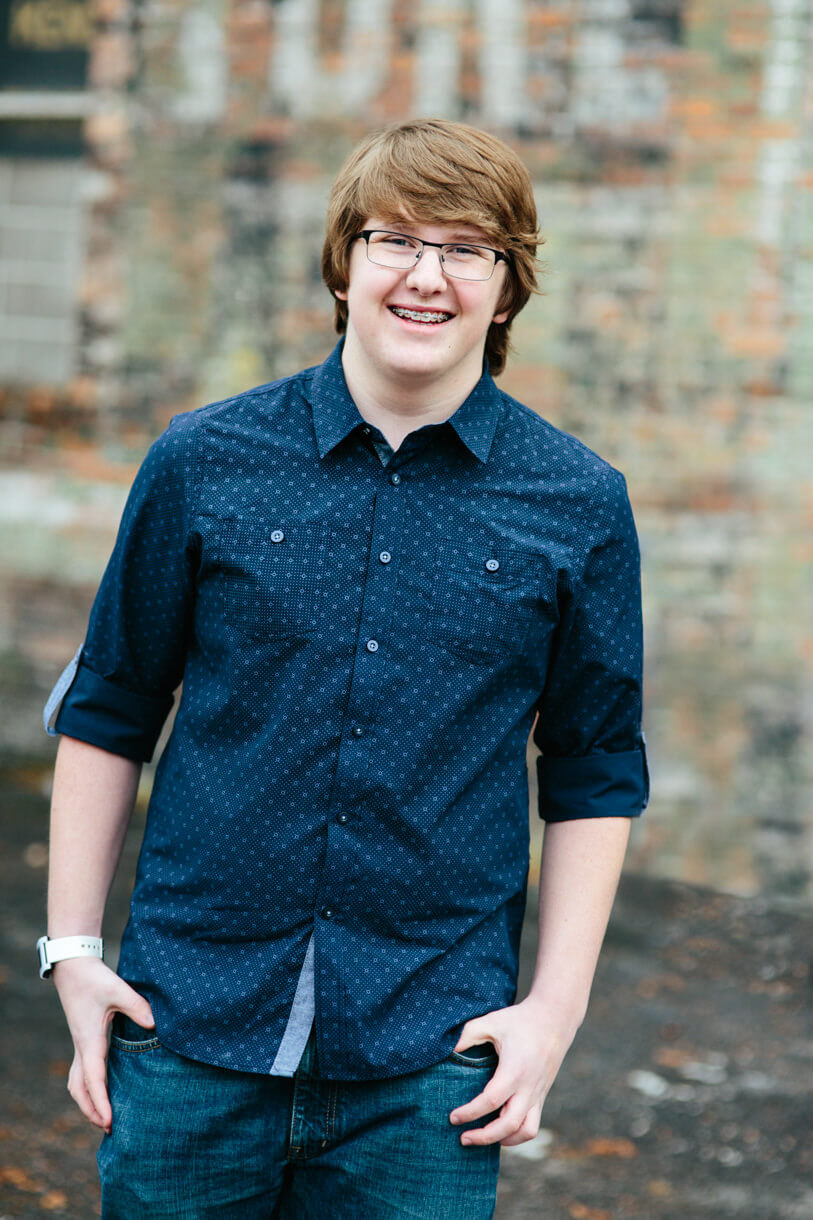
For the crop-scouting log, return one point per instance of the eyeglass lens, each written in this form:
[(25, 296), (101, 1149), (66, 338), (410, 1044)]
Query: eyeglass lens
[(398, 250)]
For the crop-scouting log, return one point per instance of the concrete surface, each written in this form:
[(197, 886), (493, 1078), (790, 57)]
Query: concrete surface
[(686, 1095)]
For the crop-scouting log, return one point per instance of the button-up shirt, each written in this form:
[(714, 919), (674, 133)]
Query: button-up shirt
[(364, 639)]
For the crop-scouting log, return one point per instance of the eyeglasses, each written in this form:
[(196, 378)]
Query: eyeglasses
[(461, 260)]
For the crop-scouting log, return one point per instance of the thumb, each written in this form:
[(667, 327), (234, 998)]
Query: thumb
[(135, 1006), (472, 1033)]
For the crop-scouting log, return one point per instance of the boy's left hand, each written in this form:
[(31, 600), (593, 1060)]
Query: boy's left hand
[(531, 1039)]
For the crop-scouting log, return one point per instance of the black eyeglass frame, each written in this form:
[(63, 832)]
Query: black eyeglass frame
[(438, 245)]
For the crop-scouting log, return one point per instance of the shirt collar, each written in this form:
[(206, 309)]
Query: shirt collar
[(335, 414)]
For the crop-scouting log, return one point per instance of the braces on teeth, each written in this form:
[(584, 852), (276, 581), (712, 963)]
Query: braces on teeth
[(420, 316)]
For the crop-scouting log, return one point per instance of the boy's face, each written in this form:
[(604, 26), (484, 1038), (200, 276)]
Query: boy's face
[(402, 348)]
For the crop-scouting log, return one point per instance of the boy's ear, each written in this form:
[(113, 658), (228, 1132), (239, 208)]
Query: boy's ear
[(506, 301), (340, 293)]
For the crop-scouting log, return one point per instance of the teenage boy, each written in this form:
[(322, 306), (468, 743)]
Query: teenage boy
[(374, 578)]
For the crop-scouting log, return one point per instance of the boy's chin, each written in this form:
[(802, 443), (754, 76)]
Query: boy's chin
[(418, 364)]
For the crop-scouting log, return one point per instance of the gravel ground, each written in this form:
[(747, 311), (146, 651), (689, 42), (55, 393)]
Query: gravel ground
[(685, 1096)]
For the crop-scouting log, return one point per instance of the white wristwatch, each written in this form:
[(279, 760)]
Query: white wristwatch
[(51, 951)]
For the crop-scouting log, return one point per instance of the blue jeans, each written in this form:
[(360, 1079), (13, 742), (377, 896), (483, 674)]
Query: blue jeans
[(190, 1140)]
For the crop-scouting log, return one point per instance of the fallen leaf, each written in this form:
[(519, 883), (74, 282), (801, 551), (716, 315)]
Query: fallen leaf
[(605, 1146), (673, 1056), (53, 1200), (14, 1176), (580, 1211)]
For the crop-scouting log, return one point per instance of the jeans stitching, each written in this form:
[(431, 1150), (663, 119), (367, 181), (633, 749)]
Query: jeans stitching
[(135, 1048), (332, 1098), (294, 1149)]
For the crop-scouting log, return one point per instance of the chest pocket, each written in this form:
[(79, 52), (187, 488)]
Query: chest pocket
[(274, 575), (486, 598)]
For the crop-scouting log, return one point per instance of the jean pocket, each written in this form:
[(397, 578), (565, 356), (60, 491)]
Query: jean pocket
[(483, 1055), (486, 598), (128, 1035), (274, 575)]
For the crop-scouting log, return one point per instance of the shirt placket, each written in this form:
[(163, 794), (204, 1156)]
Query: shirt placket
[(346, 810)]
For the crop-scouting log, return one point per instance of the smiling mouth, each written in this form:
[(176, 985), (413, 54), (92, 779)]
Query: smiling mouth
[(421, 315)]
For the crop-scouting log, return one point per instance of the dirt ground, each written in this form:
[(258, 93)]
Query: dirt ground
[(685, 1096)]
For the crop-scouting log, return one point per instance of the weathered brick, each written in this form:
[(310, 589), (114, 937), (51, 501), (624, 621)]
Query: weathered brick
[(671, 159)]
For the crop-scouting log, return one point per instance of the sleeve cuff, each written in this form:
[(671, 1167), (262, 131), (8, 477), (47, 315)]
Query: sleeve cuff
[(594, 786), (97, 711)]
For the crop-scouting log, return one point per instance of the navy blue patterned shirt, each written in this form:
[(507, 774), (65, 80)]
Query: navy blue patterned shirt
[(338, 825)]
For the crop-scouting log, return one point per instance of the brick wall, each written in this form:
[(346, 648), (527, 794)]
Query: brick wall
[(670, 146)]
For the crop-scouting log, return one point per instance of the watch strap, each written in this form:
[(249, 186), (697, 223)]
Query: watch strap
[(51, 951)]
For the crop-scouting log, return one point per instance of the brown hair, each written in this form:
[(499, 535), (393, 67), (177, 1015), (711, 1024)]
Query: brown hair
[(437, 171)]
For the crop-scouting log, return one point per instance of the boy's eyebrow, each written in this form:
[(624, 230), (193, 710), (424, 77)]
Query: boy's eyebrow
[(476, 238)]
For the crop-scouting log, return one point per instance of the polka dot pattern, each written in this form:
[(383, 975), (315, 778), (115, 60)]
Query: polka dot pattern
[(365, 639)]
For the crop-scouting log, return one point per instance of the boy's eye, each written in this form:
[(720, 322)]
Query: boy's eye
[(393, 239), (464, 251)]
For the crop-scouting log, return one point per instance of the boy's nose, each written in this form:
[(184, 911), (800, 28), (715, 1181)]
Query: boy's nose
[(428, 270)]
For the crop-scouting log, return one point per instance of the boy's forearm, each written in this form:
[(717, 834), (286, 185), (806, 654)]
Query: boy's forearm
[(92, 800), (580, 870)]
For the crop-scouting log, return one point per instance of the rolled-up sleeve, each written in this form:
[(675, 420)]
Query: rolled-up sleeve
[(593, 759), (117, 690)]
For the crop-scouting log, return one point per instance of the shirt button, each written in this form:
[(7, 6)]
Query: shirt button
[(366, 429), (384, 556), (277, 535), (492, 564), (357, 730), (341, 818), (372, 645), (395, 478), (328, 912)]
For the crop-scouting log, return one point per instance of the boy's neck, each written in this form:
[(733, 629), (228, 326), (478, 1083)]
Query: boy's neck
[(399, 407)]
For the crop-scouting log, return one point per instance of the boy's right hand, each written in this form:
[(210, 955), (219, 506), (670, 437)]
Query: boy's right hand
[(90, 993)]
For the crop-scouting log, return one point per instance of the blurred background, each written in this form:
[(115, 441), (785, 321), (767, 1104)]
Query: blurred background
[(164, 170)]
